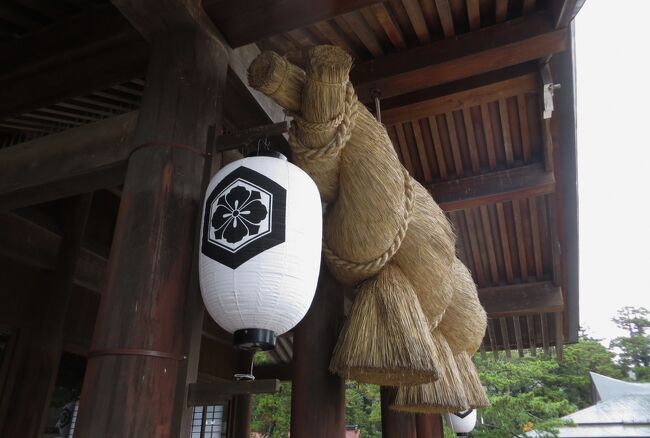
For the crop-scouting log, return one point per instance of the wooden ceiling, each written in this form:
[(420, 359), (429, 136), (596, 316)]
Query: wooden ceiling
[(462, 99)]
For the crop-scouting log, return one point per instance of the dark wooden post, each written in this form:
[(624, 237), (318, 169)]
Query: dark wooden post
[(35, 364), (395, 424), (242, 404), (317, 396), (429, 425), (137, 353)]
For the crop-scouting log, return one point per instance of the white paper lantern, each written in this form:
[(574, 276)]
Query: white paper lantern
[(462, 423), (260, 248)]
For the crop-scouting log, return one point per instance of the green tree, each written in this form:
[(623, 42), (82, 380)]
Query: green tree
[(363, 408), (586, 355), (271, 413), (633, 350), (523, 396), (535, 392)]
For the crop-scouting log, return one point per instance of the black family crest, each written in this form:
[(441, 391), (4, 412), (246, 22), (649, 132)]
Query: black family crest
[(244, 216)]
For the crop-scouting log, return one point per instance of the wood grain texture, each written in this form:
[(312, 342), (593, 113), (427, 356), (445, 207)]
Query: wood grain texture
[(471, 54), (503, 185), (395, 424), (521, 299), (318, 396), (144, 300), (65, 164), (36, 364)]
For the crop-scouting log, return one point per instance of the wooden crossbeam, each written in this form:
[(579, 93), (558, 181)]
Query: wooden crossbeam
[(280, 371), (521, 299), (490, 188), (33, 245), (204, 394), (76, 161), (565, 10), (94, 50), (460, 94), (248, 21), (492, 48), (246, 137)]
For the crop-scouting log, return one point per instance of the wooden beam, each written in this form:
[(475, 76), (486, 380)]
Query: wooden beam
[(461, 94), (518, 338), (488, 49), (248, 21), (493, 339), (564, 11), (37, 361), (95, 50), (281, 371), (546, 343), (490, 188), (33, 245), (521, 299), (318, 396), (75, 37), (559, 336), (429, 426), (532, 338), (246, 137), (395, 424), (242, 404), (71, 77), (71, 162), (205, 394), (152, 253), (563, 125)]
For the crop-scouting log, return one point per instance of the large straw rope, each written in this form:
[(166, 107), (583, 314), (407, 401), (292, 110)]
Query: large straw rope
[(350, 157)]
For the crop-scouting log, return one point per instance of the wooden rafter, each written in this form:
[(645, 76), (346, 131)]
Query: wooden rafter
[(248, 21), (75, 161), (461, 94), (488, 49), (41, 248), (473, 191), (521, 299)]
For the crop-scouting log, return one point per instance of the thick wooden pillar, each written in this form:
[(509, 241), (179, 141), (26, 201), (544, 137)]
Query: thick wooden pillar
[(138, 350), (35, 362), (317, 396), (395, 424), (429, 426)]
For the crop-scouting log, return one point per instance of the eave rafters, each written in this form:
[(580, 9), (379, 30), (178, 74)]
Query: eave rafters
[(495, 63)]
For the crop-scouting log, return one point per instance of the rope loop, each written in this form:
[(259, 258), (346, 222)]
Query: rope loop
[(344, 123), (377, 263)]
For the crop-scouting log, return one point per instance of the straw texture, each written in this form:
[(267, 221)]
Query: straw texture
[(382, 228), (464, 321), (444, 395), (426, 254), (476, 396), (463, 325), (279, 79), (385, 340)]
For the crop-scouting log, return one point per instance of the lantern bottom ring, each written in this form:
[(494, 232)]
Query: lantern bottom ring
[(255, 339)]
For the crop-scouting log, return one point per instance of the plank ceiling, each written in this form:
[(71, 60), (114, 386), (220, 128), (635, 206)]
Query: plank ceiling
[(491, 127)]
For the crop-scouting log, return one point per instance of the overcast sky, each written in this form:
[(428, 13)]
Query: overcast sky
[(613, 92)]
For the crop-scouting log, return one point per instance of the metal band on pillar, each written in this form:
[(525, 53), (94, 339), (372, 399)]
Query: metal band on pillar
[(135, 352), (168, 144)]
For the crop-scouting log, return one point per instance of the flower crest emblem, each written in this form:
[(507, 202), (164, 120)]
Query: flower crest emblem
[(238, 214), (244, 215)]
